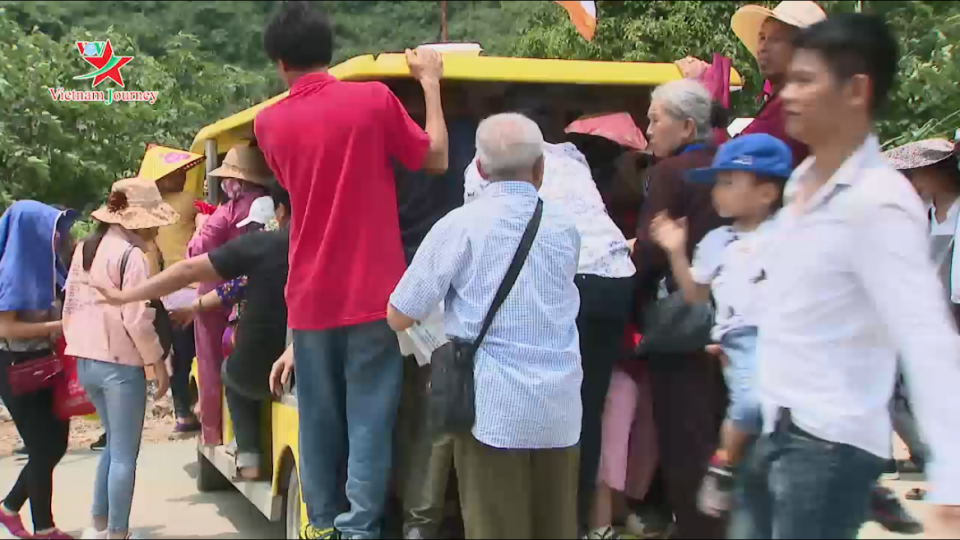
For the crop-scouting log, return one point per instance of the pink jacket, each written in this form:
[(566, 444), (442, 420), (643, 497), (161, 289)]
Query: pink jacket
[(221, 227), (123, 335)]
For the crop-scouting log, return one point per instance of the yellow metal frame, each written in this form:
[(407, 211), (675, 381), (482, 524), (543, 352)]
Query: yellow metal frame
[(238, 128)]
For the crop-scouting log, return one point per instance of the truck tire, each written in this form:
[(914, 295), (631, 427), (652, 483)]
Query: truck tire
[(292, 504), (209, 478)]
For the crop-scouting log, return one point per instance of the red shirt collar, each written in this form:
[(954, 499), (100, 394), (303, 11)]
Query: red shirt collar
[(311, 80)]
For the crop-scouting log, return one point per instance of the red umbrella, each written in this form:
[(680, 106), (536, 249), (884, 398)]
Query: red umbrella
[(617, 127)]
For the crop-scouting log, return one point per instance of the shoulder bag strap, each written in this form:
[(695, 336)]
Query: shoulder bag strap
[(519, 258), (123, 263)]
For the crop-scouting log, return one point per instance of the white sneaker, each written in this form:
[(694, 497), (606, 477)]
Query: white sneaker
[(92, 534)]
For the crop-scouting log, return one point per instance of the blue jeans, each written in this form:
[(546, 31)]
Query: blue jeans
[(348, 384), (794, 485), (120, 395), (740, 346)]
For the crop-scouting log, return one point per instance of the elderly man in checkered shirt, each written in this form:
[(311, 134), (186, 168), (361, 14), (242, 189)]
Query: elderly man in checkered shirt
[(518, 470)]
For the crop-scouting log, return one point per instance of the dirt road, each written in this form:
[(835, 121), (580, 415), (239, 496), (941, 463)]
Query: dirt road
[(166, 503)]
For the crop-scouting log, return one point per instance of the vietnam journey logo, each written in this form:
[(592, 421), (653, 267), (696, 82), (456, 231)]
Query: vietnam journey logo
[(100, 55)]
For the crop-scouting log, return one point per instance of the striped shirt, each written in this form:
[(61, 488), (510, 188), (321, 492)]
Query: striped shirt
[(527, 371)]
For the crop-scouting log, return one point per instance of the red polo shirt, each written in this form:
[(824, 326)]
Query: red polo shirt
[(332, 144), (772, 121)]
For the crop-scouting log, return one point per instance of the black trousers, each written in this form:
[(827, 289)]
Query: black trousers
[(245, 414), (604, 312), (45, 438), (689, 404), (184, 351)]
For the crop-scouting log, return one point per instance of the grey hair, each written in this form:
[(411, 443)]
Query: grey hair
[(508, 146), (687, 99)]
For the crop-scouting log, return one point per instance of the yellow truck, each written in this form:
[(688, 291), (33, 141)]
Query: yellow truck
[(601, 86)]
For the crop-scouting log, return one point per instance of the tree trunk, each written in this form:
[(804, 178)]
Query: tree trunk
[(443, 21)]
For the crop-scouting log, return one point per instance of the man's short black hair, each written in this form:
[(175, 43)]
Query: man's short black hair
[(300, 35), (855, 44), (279, 195)]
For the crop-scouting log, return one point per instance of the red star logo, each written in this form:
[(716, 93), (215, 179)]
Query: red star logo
[(108, 66)]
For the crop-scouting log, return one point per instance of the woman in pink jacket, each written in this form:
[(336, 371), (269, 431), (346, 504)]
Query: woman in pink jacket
[(117, 349), (243, 177)]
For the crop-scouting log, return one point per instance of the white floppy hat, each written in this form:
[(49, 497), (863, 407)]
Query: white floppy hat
[(261, 211), (747, 20)]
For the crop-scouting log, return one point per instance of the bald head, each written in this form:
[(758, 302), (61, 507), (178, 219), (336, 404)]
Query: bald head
[(510, 147)]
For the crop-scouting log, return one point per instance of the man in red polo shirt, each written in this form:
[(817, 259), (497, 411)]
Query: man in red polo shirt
[(333, 145), (768, 35)]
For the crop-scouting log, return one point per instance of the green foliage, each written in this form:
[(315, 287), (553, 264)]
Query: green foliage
[(206, 59), (653, 31), (924, 104), (70, 152)]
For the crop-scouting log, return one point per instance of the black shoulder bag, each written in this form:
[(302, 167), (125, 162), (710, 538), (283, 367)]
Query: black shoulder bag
[(452, 407), (161, 321)]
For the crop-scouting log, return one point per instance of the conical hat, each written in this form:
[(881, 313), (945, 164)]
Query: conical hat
[(159, 161)]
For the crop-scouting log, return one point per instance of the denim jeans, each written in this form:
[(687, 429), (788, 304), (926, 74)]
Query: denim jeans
[(794, 485), (348, 389), (740, 346), (120, 395)]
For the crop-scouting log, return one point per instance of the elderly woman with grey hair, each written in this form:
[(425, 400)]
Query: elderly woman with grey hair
[(687, 389), (518, 468)]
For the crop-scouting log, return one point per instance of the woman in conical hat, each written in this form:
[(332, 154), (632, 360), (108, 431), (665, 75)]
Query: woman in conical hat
[(932, 167), (168, 167)]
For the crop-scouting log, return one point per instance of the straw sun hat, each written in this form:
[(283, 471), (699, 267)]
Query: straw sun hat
[(135, 203), (244, 163), (747, 20)]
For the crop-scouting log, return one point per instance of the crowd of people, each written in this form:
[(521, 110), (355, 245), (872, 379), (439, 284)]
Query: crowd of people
[(717, 338)]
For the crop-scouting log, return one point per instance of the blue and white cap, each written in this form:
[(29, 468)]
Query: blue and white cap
[(757, 153)]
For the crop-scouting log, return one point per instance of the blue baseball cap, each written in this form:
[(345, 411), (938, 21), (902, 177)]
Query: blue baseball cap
[(757, 153)]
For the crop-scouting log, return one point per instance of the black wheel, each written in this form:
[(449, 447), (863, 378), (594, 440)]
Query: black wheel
[(292, 505), (209, 478)]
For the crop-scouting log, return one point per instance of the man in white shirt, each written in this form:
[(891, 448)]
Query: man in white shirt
[(850, 283)]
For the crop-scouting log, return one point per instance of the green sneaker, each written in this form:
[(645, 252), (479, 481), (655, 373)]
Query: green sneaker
[(310, 532)]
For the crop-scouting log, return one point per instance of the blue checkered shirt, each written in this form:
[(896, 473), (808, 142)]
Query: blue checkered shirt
[(528, 371)]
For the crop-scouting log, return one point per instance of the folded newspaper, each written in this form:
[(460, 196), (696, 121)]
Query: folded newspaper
[(424, 337)]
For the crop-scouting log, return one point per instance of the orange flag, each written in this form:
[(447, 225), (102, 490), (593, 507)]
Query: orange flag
[(583, 15)]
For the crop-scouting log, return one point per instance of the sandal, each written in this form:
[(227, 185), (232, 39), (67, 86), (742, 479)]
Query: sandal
[(187, 428), (916, 494), (240, 477)]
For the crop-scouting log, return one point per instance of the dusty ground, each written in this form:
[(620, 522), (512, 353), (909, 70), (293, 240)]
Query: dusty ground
[(158, 427)]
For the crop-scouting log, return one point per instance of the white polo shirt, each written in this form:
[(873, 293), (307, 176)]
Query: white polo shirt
[(729, 262)]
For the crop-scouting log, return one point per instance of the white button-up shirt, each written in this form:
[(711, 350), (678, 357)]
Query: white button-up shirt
[(568, 183), (850, 283), (527, 370)]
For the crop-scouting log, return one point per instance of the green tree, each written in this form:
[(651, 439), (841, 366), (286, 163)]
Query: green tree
[(654, 31), (70, 152), (924, 104)]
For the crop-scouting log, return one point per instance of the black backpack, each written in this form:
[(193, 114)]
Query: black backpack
[(161, 322)]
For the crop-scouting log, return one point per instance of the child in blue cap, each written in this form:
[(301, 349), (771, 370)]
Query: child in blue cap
[(749, 174)]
